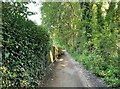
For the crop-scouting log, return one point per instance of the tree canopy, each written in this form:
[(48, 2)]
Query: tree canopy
[(89, 30)]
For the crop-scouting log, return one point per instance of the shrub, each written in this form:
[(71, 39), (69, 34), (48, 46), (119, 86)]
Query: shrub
[(25, 48)]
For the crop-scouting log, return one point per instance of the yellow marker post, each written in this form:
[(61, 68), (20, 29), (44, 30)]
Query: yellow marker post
[(51, 56)]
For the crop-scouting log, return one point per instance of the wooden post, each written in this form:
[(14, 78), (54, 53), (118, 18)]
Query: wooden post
[(53, 52)]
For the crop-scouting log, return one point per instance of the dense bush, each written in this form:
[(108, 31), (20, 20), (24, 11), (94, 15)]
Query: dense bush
[(26, 46)]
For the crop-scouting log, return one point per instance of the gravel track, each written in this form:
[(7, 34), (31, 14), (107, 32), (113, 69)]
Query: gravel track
[(68, 73)]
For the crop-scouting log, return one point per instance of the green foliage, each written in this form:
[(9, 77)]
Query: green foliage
[(86, 32), (98, 66), (26, 47)]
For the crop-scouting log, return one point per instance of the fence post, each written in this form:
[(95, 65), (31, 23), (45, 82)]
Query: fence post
[(53, 52)]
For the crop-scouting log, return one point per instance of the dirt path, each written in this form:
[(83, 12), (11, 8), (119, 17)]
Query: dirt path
[(68, 73)]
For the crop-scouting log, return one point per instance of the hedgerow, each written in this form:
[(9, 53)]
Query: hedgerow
[(25, 47)]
